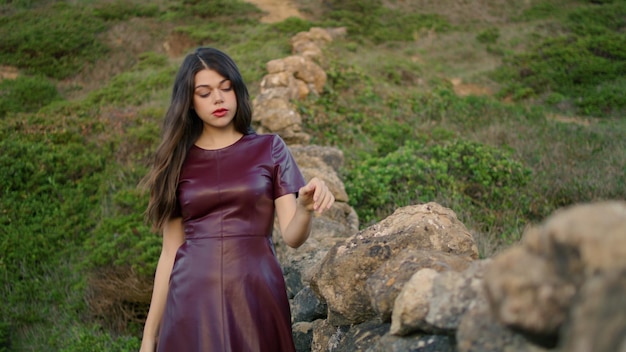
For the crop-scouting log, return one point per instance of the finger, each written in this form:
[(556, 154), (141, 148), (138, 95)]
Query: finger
[(320, 191), (306, 189), (326, 202), (324, 199)]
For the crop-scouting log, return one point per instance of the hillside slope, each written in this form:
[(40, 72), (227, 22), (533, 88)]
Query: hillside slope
[(501, 110)]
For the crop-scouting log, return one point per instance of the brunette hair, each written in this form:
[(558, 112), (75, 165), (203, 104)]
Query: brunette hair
[(182, 127)]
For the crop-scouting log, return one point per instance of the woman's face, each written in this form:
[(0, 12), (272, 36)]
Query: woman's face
[(214, 100)]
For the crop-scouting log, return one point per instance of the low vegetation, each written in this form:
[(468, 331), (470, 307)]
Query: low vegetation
[(75, 253)]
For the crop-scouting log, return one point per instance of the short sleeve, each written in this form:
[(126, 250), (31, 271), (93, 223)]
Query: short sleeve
[(287, 175)]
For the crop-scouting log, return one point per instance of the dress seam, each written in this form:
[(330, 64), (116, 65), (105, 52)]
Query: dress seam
[(219, 194)]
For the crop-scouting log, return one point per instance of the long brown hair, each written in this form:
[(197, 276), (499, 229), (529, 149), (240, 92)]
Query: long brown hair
[(182, 127)]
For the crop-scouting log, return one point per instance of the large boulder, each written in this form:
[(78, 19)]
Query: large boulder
[(342, 276), (598, 317), (531, 287)]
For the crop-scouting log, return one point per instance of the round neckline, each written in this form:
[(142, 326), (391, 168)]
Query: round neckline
[(222, 148)]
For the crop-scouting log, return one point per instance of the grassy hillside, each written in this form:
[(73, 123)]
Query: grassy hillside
[(80, 121)]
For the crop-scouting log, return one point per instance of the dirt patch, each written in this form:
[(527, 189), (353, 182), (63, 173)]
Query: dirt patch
[(126, 41), (581, 121), (276, 10), (8, 72), (464, 89)]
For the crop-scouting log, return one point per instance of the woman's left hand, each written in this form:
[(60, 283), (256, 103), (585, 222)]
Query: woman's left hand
[(315, 196)]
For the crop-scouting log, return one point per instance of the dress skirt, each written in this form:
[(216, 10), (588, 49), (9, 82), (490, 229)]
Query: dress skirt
[(226, 294)]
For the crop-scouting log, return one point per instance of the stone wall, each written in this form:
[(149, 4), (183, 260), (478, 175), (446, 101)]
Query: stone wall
[(414, 282)]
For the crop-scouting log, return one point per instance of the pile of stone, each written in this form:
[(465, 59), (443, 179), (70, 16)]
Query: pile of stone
[(414, 282)]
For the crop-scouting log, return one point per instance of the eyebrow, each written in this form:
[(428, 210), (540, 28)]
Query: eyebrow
[(209, 86)]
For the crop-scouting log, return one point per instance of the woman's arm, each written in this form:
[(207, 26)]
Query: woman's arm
[(294, 215), (173, 238)]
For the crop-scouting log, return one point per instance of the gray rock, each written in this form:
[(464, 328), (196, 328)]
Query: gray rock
[(302, 336), (305, 306), (414, 343), (479, 331), (360, 337), (326, 337)]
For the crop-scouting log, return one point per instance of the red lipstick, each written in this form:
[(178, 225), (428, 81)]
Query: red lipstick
[(220, 112)]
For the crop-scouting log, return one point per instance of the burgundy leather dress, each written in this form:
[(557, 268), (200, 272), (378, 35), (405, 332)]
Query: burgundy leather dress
[(227, 292)]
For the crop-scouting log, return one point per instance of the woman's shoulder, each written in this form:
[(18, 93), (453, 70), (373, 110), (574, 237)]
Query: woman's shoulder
[(266, 138)]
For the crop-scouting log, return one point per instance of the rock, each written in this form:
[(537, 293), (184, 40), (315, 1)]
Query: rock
[(582, 240), (417, 343), (326, 337), (435, 303), (302, 68), (453, 294), (302, 336), (342, 275), (598, 317), (479, 331), (531, 286), (331, 156), (305, 306), (526, 292), (412, 304), (281, 85), (312, 166), (360, 337), (277, 114), (384, 285), (315, 35)]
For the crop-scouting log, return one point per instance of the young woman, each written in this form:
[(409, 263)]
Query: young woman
[(215, 188)]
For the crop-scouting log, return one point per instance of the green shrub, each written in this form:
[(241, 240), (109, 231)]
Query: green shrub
[(356, 6), (291, 26), (120, 10), (488, 36), (151, 59), (208, 32), (135, 87), (26, 94), (123, 239), (539, 11), (469, 172), (5, 341), (233, 10), (584, 67), (573, 67), (94, 339), (55, 41), (23, 4), (48, 194), (598, 20), (384, 25)]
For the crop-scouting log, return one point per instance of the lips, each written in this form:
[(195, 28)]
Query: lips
[(220, 112)]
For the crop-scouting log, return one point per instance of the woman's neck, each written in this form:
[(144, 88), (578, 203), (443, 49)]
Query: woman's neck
[(218, 139)]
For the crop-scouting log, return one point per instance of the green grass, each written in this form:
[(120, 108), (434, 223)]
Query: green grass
[(70, 211)]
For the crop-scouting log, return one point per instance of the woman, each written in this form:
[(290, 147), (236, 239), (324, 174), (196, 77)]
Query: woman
[(215, 188)]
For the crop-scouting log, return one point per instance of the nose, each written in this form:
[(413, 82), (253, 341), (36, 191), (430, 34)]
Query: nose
[(219, 96)]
